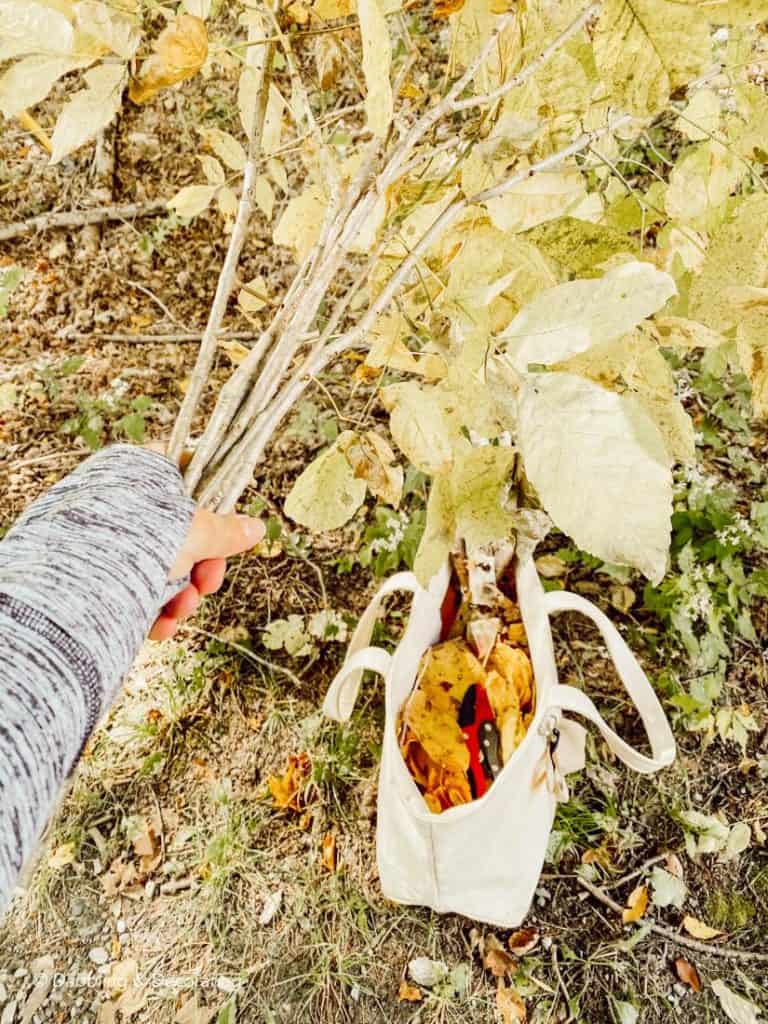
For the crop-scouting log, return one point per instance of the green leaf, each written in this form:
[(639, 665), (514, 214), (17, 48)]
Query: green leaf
[(227, 1014), (134, 426), (439, 531), (327, 494)]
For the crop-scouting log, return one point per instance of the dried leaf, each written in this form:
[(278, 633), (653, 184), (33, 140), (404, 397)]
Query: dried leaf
[(329, 852), (112, 29), (236, 351), (698, 929), (179, 52), (286, 788), (192, 1013), (735, 1007), (377, 58), (409, 993), (510, 1006), (637, 904), (270, 908), (61, 856), (551, 567), (89, 111), (264, 196), (523, 941), (539, 198), (687, 973), (372, 460), (496, 959)]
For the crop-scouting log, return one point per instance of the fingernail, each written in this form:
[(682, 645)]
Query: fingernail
[(254, 530)]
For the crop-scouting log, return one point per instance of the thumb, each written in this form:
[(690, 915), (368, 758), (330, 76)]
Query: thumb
[(217, 536)]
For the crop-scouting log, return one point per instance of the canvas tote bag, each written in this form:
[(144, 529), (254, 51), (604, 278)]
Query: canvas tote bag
[(483, 859)]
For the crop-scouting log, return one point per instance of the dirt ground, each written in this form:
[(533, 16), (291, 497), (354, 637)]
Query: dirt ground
[(168, 874)]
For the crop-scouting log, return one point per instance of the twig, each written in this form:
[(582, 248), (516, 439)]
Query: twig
[(561, 983), (158, 302), (637, 872), (162, 339), (246, 653), (208, 345), (77, 218), (673, 936)]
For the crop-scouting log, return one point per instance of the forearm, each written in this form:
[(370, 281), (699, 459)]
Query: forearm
[(82, 576)]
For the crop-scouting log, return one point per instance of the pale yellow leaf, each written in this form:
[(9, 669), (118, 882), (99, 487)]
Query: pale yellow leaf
[(277, 173), (700, 118), (736, 1008), (439, 531), (420, 426), (540, 198), (377, 58), (226, 147), (373, 461), (227, 202), (248, 83), (646, 49), (572, 317), (301, 221), (192, 200), (613, 498), (90, 110), (212, 169), (236, 351), (698, 929), (61, 856), (27, 82), (264, 196), (253, 296), (113, 30), (273, 121), (678, 332), (23, 25), (328, 10), (700, 182), (327, 494)]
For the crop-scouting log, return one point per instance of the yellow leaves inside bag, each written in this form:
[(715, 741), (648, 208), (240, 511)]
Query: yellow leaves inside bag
[(180, 51)]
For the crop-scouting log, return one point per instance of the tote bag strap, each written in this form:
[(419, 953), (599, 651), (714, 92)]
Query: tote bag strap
[(342, 693), (568, 698)]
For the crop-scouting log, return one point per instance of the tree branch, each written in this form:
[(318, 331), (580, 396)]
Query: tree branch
[(226, 281), (78, 218)]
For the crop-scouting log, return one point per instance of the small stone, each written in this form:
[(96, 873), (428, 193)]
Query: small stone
[(58, 250), (227, 985), (20, 972), (98, 955), (77, 907), (121, 926)]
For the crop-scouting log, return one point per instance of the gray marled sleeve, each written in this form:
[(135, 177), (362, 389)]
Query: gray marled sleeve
[(83, 574)]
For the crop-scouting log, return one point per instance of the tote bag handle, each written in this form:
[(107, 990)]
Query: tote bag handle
[(342, 693), (568, 698)]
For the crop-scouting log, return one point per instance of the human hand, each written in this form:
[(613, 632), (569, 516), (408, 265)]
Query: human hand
[(211, 540)]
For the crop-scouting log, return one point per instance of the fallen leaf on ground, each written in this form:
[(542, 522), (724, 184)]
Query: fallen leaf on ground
[(637, 904), (735, 1007), (286, 788), (523, 941), (409, 993), (329, 851), (61, 856), (510, 1006), (674, 865), (271, 907), (495, 958), (698, 929), (147, 848), (191, 1013), (687, 973)]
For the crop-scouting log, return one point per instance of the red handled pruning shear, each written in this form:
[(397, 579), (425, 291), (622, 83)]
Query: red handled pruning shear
[(478, 726)]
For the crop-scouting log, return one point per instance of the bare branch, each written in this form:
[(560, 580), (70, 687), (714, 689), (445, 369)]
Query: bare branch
[(226, 281), (78, 218)]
